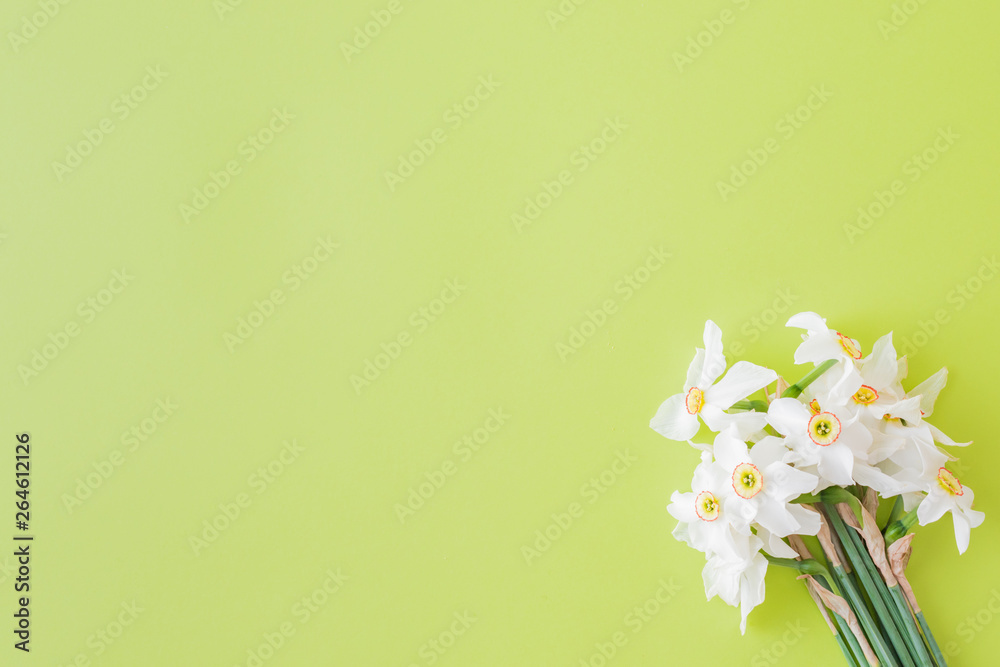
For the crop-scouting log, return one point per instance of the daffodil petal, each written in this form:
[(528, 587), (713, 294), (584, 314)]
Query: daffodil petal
[(694, 369), (769, 449), (729, 450), (836, 464), (715, 361), (880, 368), (962, 532), (743, 424), (672, 420), (807, 320), (929, 389), (788, 416), (775, 518), (819, 347), (743, 379), (931, 508)]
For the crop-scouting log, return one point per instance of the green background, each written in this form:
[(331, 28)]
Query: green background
[(524, 287)]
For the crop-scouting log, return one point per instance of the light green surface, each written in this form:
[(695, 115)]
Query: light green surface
[(554, 87)]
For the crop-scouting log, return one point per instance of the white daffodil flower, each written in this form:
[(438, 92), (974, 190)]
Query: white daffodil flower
[(911, 464), (707, 397), (739, 581), (763, 486), (703, 523), (945, 493), (829, 443), (880, 385), (821, 344), (927, 392)]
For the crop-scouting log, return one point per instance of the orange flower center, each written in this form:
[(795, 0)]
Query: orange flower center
[(694, 401), (824, 429), (851, 346)]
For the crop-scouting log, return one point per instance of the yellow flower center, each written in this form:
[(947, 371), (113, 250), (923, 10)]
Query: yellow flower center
[(824, 429), (814, 406), (706, 506), (694, 401), (949, 482), (747, 480), (851, 346), (866, 395)]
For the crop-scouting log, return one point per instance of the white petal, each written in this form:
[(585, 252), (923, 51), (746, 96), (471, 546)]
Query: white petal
[(819, 347), (774, 545), (752, 590), (681, 534), (694, 369), (672, 420), (768, 450), (809, 521), (681, 507), (943, 439), (878, 480), (775, 518), (715, 361), (742, 380), (742, 424), (808, 320), (783, 483), (931, 509), (740, 512), (929, 389), (710, 476), (908, 409), (730, 451), (788, 416), (836, 464), (903, 368), (962, 531), (880, 368)]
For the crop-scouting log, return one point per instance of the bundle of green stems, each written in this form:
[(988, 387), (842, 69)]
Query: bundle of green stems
[(860, 584)]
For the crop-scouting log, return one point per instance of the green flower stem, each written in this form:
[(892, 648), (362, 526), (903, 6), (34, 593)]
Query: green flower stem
[(899, 528), (849, 592), (897, 511), (803, 566), (796, 389), (746, 406), (909, 654), (929, 636), (845, 636), (906, 616), (847, 652), (862, 565)]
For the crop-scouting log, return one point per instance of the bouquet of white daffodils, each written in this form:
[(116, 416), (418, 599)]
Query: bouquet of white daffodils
[(813, 459)]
